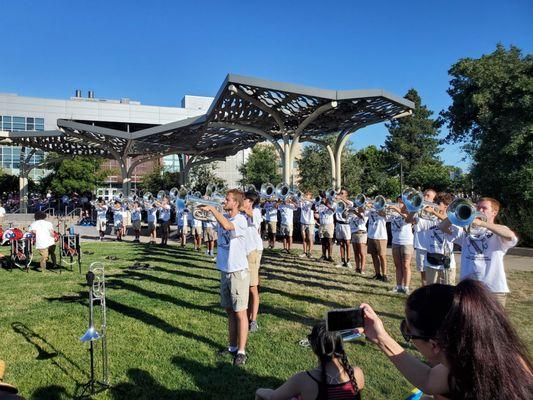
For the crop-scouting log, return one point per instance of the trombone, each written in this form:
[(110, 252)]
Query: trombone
[(96, 281)]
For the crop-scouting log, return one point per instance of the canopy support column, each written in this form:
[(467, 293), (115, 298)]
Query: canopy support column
[(339, 147), (331, 158)]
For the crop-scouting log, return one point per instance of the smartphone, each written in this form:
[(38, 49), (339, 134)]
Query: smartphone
[(344, 319)]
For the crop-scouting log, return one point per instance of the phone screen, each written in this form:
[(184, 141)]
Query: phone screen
[(346, 319)]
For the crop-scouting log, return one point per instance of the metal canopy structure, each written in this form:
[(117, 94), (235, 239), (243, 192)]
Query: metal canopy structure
[(249, 110), (244, 112)]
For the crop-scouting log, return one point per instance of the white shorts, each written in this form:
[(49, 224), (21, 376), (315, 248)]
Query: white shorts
[(343, 232), (101, 224), (420, 257)]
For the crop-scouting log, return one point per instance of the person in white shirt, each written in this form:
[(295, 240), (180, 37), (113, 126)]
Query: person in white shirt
[(118, 219), (325, 213), (197, 233), (286, 211), (44, 239), (255, 250), (182, 220), (210, 236), (234, 274), (2, 213), (101, 217), (377, 243), (359, 237), (164, 215), (402, 246), (307, 224), (436, 251), (343, 233), (271, 218), (151, 218), (136, 220), (420, 252), (482, 253)]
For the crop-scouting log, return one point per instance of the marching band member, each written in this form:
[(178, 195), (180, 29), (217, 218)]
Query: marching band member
[(118, 219), (255, 250), (164, 215), (420, 252), (402, 246), (271, 218), (197, 233), (44, 239), (136, 220), (342, 229), (482, 254), (377, 243), (235, 276), (210, 236), (307, 223), (151, 218), (286, 210), (182, 217), (101, 217), (359, 237), (325, 213)]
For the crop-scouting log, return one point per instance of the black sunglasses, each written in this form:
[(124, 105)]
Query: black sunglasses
[(409, 336)]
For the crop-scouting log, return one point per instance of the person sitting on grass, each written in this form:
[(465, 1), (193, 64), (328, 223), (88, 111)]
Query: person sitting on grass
[(333, 378), (473, 352), (44, 239)]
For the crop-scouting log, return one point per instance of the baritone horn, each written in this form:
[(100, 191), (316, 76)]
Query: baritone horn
[(96, 281), (193, 203)]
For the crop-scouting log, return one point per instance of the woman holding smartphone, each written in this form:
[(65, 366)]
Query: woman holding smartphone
[(472, 350)]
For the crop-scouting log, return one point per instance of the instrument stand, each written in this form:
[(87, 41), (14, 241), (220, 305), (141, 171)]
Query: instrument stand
[(93, 386)]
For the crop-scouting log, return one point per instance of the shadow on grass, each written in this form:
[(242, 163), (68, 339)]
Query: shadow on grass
[(52, 392), (222, 381)]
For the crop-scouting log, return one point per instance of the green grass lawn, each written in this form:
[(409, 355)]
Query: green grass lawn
[(165, 326)]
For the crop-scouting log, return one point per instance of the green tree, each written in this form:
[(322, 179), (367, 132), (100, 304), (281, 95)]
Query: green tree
[(374, 173), (158, 179), (413, 140), (203, 175), (77, 174), (262, 166), (492, 114), (430, 175)]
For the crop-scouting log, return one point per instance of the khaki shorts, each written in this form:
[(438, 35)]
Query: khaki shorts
[(272, 227), (308, 230), (326, 231), (151, 226), (446, 276), (343, 232), (254, 261), (377, 247), (235, 290), (285, 230), (420, 257), (47, 251), (359, 237), (183, 230), (403, 251), (101, 224), (136, 225), (197, 230), (210, 234)]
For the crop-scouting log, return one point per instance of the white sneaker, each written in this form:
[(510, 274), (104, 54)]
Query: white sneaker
[(396, 289), (303, 255), (349, 264), (340, 265)]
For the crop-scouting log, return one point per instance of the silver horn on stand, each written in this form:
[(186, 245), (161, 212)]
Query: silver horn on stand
[(96, 281)]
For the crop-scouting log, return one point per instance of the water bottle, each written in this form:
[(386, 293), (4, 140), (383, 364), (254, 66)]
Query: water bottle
[(71, 230)]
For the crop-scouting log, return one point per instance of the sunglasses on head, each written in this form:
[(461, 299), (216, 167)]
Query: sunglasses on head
[(408, 336)]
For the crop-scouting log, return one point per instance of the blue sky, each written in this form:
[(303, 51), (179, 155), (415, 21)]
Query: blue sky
[(157, 51)]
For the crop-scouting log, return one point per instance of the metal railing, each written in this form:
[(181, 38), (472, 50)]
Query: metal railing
[(14, 210), (77, 209), (50, 211)]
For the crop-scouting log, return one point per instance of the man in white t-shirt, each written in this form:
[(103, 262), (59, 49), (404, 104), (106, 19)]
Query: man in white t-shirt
[(44, 239), (118, 219), (402, 245), (286, 211), (377, 242), (101, 217), (151, 219), (359, 238), (271, 218), (2, 213), (254, 250), (326, 230), (210, 236), (343, 233), (307, 224), (234, 275), (164, 215), (482, 253), (197, 232), (136, 220), (420, 252)]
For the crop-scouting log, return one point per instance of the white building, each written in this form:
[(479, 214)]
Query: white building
[(20, 113)]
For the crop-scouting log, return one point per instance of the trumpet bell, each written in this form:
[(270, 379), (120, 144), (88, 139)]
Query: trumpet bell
[(462, 212), (413, 199), (360, 200), (379, 203), (267, 190), (90, 335), (282, 191), (173, 193)]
